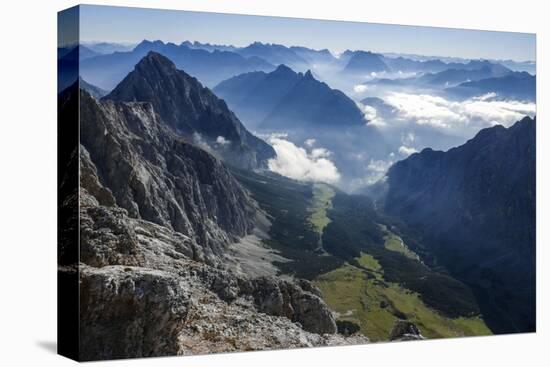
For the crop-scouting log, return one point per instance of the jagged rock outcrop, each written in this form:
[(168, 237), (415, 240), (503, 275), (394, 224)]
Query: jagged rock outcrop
[(405, 330), (145, 292), (140, 312), (192, 110), (282, 298)]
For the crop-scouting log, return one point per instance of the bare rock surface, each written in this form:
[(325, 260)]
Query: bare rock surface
[(145, 296), (156, 176)]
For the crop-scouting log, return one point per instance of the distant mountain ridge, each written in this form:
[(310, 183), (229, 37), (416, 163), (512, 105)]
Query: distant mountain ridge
[(212, 63), (94, 91), (364, 62), (192, 110), (106, 71), (274, 54), (516, 85), (285, 98), (449, 77)]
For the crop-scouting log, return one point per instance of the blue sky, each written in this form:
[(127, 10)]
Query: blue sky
[(120, 24)]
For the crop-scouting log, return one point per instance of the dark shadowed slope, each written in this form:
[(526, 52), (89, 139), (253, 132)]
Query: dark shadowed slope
[(313, 103), (254, 95), (192, 110), (475, 207), (284, 98)]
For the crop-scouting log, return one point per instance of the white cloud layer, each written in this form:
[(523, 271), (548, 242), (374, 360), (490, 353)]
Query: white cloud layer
[(462, 118), (370, 114), (222, 140), (360, 88), (406, 151), (297, 163)]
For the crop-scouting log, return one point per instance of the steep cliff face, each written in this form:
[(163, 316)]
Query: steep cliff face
[(475, 205), (156, 216), (192, 110), (156, 176)]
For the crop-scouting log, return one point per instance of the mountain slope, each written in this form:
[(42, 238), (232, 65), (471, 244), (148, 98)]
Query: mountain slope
[(192, 110), (156, 176), (253, 95), (92, 89), (284, 98), (313, 103), (475, 205)]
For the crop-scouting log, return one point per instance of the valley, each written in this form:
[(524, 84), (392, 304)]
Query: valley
[(321, 203), (362, 295), (367, 275)]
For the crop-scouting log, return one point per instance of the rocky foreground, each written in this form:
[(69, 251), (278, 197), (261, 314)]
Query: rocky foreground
[(156, 218), (145, 292)]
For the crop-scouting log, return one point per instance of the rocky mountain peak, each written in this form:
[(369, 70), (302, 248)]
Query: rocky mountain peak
[(146, 45), (154, 60), (191, 110), (283, 69)]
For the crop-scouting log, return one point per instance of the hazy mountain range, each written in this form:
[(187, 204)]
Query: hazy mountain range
[(274, 88), (106, 71), (257, 56), (229, 184)]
